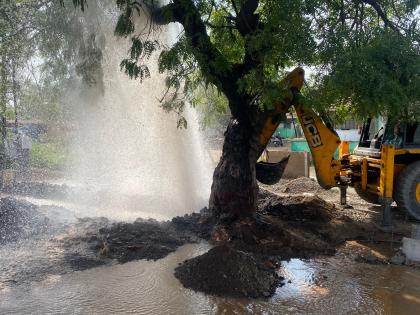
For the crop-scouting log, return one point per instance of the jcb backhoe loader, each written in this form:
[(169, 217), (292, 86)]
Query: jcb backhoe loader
[(385, 166)]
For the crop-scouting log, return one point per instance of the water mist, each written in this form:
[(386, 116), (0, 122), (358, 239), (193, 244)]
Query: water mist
[(131, 159)]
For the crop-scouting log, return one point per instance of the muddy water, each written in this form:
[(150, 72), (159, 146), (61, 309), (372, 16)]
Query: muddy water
[(323, 286), (37, 276)]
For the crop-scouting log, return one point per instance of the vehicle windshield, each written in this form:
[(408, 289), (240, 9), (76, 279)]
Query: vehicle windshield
[(376, 129), (373, 130)]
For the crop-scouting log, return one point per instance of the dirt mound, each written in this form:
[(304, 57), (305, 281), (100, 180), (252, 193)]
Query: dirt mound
[(285, 227), (228, 272), (291, 227), (143, 239), (301, 185), (310, 220), (192, 225), (295, 208), (20, 219)]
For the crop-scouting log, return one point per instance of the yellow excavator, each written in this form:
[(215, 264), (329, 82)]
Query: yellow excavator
[(384, 167)]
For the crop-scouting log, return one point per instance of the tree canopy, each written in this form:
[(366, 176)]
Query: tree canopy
[(364, 54)]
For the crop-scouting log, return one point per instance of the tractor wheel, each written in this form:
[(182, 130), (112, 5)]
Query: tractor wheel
[(368, 196), (407, 190)]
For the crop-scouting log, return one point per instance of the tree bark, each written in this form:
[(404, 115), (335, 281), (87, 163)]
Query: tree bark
[(3, 101), (234, 190), (15, 91)]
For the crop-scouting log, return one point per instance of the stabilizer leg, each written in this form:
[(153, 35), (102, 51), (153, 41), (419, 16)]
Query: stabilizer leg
[(386, 214)]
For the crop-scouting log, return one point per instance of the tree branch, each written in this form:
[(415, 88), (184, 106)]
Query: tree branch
[(247, 23), (213, 64), (381, 13), (219, 26), (247, 20), (234, 6)]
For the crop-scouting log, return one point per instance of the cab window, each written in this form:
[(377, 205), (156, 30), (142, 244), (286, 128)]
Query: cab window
[(413, 134)]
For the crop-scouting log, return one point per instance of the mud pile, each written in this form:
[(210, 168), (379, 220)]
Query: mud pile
[(20, 219), (295, 208), (301, 185), (226, 271), (285, 227), (311, 219), (143, 239)]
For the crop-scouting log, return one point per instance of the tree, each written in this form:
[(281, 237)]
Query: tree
[(212, 108), (244, 47), (18, 29), (12, 50), (39, 51)]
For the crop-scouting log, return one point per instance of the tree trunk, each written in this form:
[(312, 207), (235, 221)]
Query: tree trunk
[(234, 189), (3, 101), (14, 91)]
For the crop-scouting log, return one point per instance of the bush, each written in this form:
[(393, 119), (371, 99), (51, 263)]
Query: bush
[(47, 155)]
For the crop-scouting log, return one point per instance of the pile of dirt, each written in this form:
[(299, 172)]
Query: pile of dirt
[(301, 185), (101, 240), (296, 207), (310, 223), (270, 236), (249, 250), (225, 271), (20, 219), (142, 239), (195, 225)]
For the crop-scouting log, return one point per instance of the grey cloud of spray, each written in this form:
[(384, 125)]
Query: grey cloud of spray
[(130, 155)]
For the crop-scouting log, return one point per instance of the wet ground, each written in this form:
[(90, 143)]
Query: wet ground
[(323, 286), (37, 276)]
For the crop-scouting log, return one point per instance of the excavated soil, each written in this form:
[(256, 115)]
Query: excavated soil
[(124, 242), (301, 185), (296, 208), (225, 271), (143, 239), (19, 220), (285, 227)]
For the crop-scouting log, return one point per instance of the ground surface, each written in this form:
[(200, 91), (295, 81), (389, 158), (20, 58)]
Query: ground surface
[(296, 219)]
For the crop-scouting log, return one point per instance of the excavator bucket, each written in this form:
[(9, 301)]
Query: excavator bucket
[(271, 173)]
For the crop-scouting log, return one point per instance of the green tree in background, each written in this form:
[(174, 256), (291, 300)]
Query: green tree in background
[(40, 49), (212, 107)]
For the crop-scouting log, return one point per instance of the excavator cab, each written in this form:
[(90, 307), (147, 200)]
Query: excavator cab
[(371, 138), (386, 164), (377, 131)]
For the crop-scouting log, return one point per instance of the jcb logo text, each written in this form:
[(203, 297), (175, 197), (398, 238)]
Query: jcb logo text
[(314, 138)]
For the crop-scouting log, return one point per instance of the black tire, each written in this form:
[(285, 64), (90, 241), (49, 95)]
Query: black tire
[(368, 196), (405, 190)]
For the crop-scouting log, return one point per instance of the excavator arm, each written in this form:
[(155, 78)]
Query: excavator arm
[(322, 141)]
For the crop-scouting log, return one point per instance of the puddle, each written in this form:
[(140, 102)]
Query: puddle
[(324, 286), (37, 277)]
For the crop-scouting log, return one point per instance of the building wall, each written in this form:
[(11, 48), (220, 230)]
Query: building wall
[(349, 135)]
